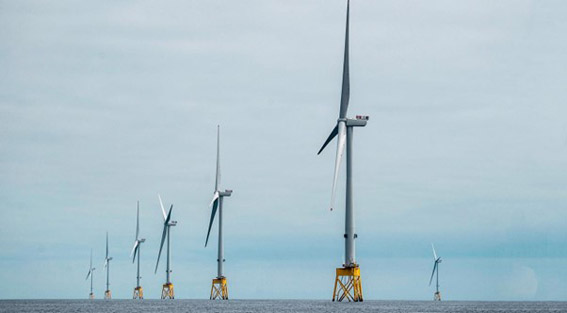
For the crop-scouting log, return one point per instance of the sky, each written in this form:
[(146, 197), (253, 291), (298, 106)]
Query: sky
[(104, 103)]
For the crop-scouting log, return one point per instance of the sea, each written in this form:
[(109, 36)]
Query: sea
[(276, 306)]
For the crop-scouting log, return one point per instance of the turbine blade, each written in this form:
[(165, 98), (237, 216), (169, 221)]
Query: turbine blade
[(340, 149), (88, 274), (345, 94), (165, 226), (107, 245), (215, 197), (433, 273), (333, 134), (168, 218), (218, 175), (137, 219), (161, 205), (434, 253), (105, 263), (134, 248), (161, 245), (213, 213)]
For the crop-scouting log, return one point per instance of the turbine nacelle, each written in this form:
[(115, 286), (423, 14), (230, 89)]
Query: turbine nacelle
[(225, 193), (359, 121)]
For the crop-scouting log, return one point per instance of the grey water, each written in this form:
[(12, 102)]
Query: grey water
[(238, 306)]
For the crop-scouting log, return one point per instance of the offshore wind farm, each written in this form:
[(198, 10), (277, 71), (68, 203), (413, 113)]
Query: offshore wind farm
[(460, 141)]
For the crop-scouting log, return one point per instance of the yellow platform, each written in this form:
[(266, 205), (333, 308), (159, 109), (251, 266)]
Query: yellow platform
[(347, 285), (138, 293), (219, 289), (167, 291)]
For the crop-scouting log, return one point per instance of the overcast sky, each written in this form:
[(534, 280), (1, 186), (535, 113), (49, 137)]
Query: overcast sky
[(103, 103)]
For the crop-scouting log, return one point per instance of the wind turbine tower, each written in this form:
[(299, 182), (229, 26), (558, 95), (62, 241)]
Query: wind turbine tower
[(138, 290), (91, 274), (167, 288), (437, 260), (347, 282), (107, 259), (219, 288)]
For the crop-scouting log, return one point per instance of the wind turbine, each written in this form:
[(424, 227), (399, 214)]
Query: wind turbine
[(107, 259), (91, 274), (167, 289), (219, 288), (437, 260), (138, 290), (348, 277)]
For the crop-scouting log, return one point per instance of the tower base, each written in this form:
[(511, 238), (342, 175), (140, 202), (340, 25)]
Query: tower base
[(219, 289), (138, 293), (437, 296), (108, 294), (347, 285), (91, 295), (167, 291)]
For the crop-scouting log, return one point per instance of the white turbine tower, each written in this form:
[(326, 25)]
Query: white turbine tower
[(347, 283), (167, 288), (107, 259), (436, 260), (138, 290), (219, 288), (91, 274)]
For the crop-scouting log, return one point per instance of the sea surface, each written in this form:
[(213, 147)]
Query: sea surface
[(238, 306)]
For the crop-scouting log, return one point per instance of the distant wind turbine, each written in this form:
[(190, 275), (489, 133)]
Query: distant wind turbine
[(107, 259), (167, 291), (138, 290), (437, 261), (219, 288), (91, 274)]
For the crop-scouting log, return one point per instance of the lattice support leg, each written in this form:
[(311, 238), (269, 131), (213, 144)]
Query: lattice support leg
[(91, 295), (219, 289), (167, 291), (348, 285), (108, 294)]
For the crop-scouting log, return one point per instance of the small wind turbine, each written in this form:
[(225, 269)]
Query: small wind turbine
[(167, 289), (437, 260), (107, 259), (219, 288), (91, 274), (138, 290), (348, 277)]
